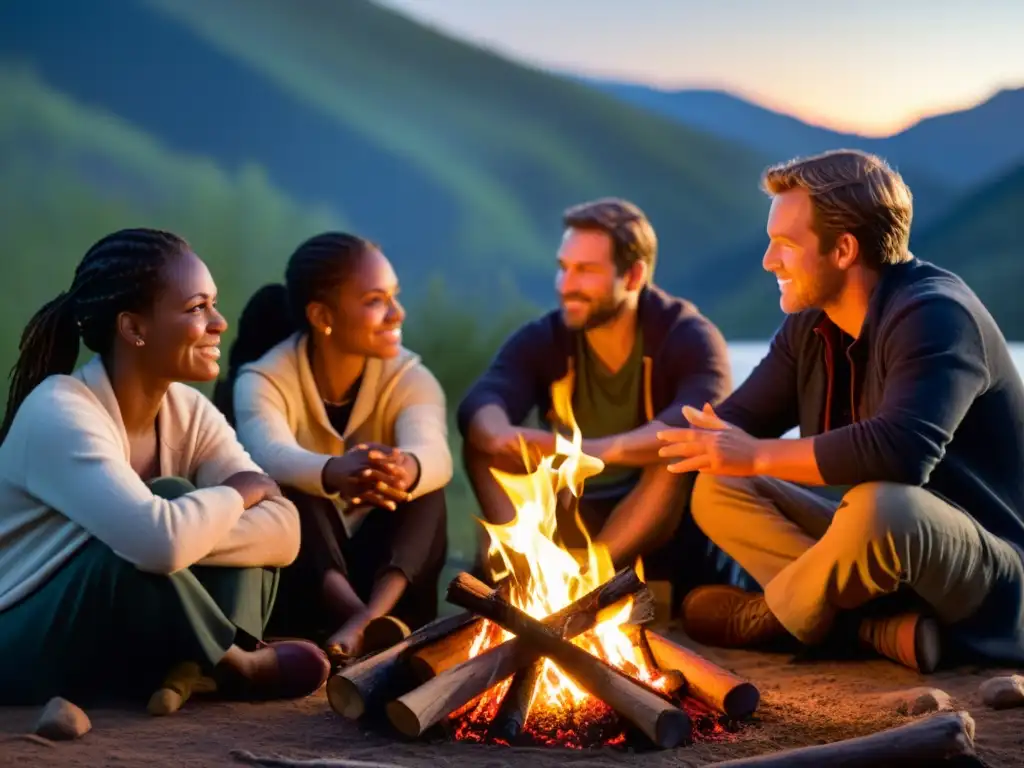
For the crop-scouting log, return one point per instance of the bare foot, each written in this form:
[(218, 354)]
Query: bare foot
[(348, 640)]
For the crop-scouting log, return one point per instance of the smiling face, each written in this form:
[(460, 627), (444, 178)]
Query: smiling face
[(182, 330), (365, 316), (590, 289), (807, 278)]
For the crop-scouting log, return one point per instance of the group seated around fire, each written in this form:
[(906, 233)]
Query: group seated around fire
[(353, 427), (895, 520), (135, 531), (630, 357)]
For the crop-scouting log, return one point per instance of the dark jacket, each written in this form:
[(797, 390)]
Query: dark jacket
[(685, 362), (935, 397)]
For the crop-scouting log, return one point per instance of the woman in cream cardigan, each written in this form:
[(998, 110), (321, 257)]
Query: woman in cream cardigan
[(135, 531), (353, 427)]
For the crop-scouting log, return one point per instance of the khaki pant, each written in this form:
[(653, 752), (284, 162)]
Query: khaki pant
[(815, 557)]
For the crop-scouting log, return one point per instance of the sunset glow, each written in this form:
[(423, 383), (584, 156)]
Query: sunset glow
[(872, 71)]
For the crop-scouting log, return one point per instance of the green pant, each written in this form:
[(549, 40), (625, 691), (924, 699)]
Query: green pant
[(101, 629)]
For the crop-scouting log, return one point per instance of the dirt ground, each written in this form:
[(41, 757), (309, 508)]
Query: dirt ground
[(803, 703)]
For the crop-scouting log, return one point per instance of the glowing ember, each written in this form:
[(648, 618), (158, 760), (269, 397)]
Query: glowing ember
[(546, 577)]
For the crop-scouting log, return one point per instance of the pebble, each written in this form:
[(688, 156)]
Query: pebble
[(918, 701), (62, 720), (1003, 692)]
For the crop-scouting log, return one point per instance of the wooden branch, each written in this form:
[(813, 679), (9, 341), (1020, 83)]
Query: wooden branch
[(508, 722), (664, 724), (419, 709), (369, 682), (708, 682), (944, 737), (432, 659)]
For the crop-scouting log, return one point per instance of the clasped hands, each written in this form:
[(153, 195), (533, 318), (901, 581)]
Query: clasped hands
[(373, 474), (709, 445)]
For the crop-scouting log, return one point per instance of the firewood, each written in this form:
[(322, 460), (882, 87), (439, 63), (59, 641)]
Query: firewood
[(930, 741), (434, 658), (419, 709), (369, 682), (515, 707), (707, 682), (664, 724)]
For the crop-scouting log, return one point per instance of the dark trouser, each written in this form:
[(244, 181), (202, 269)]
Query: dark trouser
[(413, 539), (101, 629)]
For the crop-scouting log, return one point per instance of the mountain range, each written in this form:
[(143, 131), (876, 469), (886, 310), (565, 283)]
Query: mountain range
[(247, 125)]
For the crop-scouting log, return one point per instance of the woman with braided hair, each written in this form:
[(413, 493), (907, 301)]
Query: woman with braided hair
[(353, 427), (135, 531)]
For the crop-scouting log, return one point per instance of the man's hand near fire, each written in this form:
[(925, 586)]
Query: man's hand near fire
[(710, 445)]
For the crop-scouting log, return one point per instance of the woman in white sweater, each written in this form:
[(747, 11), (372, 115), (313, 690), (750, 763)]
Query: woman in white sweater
[(353, 427), (135, 531)]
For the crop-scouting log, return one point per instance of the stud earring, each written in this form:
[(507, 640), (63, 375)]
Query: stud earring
[(139, 342), (327, 331)]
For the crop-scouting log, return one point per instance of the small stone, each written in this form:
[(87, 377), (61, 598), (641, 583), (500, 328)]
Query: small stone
[(918, 701), (1003, 692), (62, 720)]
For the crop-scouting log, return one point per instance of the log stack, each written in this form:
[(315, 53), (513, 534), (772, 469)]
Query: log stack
[(418, 683)]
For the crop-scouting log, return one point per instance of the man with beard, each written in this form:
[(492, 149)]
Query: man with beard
[(631, 356), (908, 403)]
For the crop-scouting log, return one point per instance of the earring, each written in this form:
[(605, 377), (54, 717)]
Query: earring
[(139, 342), (327, 331)]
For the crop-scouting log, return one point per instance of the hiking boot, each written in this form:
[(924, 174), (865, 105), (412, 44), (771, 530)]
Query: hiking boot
[(729, 617), (908, 639)]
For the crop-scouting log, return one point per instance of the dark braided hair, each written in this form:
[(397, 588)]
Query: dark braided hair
[(315, 272), (120, 273)]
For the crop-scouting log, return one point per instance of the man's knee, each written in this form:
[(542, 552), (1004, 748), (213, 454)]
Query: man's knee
[(710, 502), (881, 509)]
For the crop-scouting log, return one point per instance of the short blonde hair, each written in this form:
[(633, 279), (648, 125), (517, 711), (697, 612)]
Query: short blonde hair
[(628, 227), (855, 192)]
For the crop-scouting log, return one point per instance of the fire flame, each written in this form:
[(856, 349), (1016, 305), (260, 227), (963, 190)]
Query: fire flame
[(546, 577)]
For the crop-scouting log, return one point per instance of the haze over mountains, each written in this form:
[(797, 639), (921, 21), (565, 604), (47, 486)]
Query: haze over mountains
[(247, 126)]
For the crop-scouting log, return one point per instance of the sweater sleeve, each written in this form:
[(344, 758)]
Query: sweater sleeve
[(75, 464), (700, 370), (935, 365), (421, 429), (766, 404), (267, 534), (263, 428), (513, 379)]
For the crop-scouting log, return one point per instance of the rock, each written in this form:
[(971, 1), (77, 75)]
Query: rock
[(918, 701), (1003, 692), (62, 720)]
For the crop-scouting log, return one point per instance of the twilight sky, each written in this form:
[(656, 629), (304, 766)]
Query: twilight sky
[(870, 66)]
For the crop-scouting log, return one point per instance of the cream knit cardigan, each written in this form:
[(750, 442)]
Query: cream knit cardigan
[(66, 477)]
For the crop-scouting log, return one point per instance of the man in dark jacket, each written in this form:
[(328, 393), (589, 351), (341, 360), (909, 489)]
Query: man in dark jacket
[(629, 356), (907, 400)]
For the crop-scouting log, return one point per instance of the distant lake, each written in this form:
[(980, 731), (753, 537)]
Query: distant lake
[(745, 355)]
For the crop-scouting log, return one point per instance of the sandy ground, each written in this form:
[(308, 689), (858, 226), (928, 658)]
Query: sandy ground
[(803, 703)]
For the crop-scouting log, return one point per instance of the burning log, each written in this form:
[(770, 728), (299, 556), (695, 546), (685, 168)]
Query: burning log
[(432, 659), (708, 682), (419, 709), (664, 724), (947, 738), (515, 707), (370, 681)]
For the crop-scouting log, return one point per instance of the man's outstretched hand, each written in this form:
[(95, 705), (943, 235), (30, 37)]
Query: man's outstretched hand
[(709, 445)]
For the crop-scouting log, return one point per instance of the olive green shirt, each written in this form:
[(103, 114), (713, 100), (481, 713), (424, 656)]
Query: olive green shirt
[(606, 403)]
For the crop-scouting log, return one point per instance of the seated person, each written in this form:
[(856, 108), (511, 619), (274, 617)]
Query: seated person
[(135, 532), (908, 403), (353, 426), (632, 356)]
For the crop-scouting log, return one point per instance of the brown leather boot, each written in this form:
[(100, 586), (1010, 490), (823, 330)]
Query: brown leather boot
[(728, 617), (908, 639)]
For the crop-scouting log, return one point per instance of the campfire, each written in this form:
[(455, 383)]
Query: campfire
[(558, 653)]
